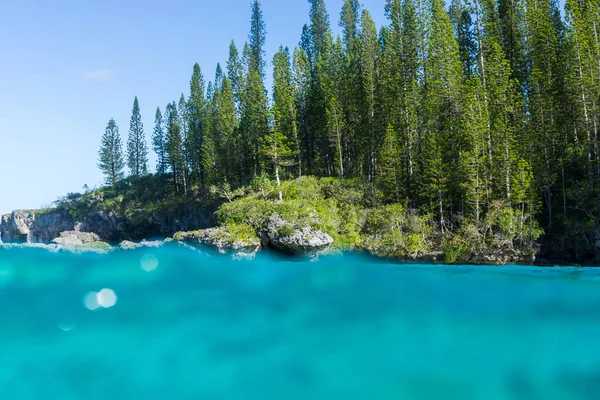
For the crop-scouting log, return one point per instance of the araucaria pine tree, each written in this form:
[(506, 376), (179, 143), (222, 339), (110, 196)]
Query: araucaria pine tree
[(254, 119), (137, 150), (159, 144), (110, 156), (174, 144)]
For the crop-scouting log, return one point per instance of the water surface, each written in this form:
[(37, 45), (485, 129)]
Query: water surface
[(193, 325)]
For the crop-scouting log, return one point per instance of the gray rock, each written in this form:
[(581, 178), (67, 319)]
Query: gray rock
[(220, 239), (48, 226), (105, 224), (16, 227), (76, 238), (127, 245), (502, 257), (283, 236)]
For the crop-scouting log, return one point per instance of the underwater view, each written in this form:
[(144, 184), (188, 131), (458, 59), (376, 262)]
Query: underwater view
[(177, 323)]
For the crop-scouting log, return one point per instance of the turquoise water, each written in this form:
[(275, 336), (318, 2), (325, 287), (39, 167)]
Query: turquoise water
[(189, 325)]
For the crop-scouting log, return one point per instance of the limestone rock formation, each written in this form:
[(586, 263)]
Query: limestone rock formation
[(16, 227), (220, 239), (283, 236), (76, 238)]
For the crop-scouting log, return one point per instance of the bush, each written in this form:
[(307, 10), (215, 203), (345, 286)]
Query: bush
[(393, 231)]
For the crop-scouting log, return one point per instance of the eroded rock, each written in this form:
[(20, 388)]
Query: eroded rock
[(16, 227), (283, 236), (220, 239), (76, 238), (127, 245)]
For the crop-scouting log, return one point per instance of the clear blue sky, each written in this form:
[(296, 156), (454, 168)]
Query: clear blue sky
[(68, 66)]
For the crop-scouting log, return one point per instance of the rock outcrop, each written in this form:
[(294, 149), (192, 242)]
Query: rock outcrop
[(16, 227), (285, 237), (128, 245), (76, 238), (49, 225), (502, 257), (110, 226), (219, 239)]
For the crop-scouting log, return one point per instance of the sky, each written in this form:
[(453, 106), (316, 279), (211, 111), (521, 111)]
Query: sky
[(68, 66)]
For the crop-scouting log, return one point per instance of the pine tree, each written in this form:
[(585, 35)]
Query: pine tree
[(389, 165), (350, 93), (400, 93), (582, 84), (337, 129), (511, 15), (460, 14), (197, 130), (235, 74), (254, 118), (184, 121), (254, 122), (317, 41), (137, 150), (158, 143), (257, 39), (442, 136), (474, 165), (369, 74), (174, 144), (224, 132), (285, 110), (543, 44), (302, 81), (320, 27), (110, 156)]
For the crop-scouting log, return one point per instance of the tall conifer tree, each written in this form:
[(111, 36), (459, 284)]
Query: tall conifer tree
[(137, 150), (110, 156), (158, 143)]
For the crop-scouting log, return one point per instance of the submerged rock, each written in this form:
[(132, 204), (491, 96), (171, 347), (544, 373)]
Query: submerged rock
[(127, 245), (220, 239), (283, 236)]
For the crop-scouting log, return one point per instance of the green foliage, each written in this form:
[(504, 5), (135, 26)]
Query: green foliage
[(480, 116), (159, 143), (110, 155), (240, 233), (137, 151), (393, 231), (285, 230)]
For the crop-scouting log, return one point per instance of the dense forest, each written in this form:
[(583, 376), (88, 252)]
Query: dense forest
[(457, 111)]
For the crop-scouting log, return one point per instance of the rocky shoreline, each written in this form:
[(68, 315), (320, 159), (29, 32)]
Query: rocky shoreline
[(58, 231)]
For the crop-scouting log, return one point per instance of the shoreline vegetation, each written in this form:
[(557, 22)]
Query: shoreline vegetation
[(461, 134), (352, 213)]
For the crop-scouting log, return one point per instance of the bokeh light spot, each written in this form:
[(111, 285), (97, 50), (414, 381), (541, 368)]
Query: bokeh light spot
[(90, 301), (106, 298), (149, 262)]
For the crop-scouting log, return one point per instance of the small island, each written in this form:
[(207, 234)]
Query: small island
[(455, 135)]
